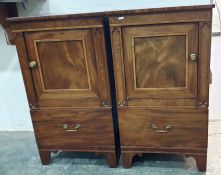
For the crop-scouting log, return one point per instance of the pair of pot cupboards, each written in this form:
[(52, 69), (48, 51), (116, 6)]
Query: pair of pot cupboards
[(135, 81)]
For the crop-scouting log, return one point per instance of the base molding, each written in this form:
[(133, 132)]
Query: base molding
[(200, 158), (176, 150), (111, 157)]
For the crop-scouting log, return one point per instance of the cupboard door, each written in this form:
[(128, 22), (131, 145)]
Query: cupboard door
[(160, 64), (69, 67)]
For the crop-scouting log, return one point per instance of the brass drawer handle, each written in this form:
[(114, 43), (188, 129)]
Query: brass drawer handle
[(105, 103), (154, 126), (66, 127)]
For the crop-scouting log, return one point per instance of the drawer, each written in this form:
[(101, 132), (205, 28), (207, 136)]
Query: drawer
[(163, 128), (73, 128)]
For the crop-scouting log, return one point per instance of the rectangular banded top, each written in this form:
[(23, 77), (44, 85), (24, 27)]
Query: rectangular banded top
[(57, 9)]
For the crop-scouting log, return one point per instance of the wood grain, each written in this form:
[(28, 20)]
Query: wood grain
[(45, 157), (204, 59), (68, 68), (201, 161), (163, 150), (161, 18), (58, 24), (110, 158), (157, 61), (156, 83), (127, 159), (117, 51), (96, 128), (69, 85), (160, 61), (103, 73), (116, 13), (61, 63), (162, 102), (188, 128), (163, 87), (26, 72)]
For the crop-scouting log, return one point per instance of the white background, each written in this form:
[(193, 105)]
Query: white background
[(14, 112)]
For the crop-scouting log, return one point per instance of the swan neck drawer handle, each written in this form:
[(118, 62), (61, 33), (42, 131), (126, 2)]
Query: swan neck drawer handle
[(156, 129), (75, 129)]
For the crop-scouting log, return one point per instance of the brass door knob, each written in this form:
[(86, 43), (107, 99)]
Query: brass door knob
[(32, 64), (192, 56)]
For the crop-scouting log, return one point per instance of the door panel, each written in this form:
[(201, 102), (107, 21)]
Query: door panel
[(55, 77), (68, 71), (157, 63), (163, 68)]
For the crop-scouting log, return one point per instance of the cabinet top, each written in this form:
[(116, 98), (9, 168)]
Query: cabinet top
[(95, 8)]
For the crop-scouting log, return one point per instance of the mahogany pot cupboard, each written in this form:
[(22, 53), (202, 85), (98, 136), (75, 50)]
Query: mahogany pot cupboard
[(147, 69)]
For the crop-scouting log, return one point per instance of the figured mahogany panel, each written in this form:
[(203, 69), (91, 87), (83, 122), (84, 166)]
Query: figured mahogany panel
[(71, 69), (157, 62), (163, 128), (160, 61), (63, 63)]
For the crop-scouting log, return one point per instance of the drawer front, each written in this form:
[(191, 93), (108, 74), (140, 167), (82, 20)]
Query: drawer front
[(74, 128), (163, 128)]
